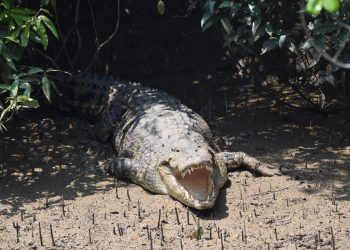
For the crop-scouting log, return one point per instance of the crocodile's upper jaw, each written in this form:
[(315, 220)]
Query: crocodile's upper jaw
[(194, 185)]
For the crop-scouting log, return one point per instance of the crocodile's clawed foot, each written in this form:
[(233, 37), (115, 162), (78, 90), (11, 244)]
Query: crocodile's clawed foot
[(264, 169), (235, 159)]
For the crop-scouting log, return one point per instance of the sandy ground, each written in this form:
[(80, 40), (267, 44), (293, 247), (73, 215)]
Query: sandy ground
[(50, 177)]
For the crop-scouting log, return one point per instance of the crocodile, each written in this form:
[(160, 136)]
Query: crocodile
[(160, 144)]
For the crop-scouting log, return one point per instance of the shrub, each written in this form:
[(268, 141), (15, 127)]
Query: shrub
[(258, 27), (21, 28)]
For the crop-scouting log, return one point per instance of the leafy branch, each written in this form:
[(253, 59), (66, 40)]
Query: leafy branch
[(21, 28)]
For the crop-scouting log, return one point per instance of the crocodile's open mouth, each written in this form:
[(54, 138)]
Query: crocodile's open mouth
[(197, 180)]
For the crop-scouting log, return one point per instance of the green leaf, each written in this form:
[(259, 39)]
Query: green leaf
[(12, 39), (210, 4), (31, 103), (291, 46), (25, 36), (235, 8), (14, 87), (13, 36), (21, 98), (254, 10), (49, 24), (314, 7), (2, 127), (27, 88), (225, 4), (268, 28), (255, 26), (23, 11), (206, 16), (210, 23), (20, 17), (161, 7), (18, 21), (281, 40), (42, 33), (46, 87), (27, 101), (10, 63), (307, 44), (331, 5), (34, 37), (269, 44), (1, 45), (226, 25), (5, 86), (35, 70)]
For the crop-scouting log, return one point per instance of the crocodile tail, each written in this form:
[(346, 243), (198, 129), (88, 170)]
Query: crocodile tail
[(88, 96)]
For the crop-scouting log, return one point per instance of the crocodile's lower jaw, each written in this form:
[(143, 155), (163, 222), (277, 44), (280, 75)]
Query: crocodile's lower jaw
[(193, 187)]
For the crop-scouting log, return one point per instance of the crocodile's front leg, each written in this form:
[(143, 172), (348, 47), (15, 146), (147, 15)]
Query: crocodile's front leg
[(234, 160)]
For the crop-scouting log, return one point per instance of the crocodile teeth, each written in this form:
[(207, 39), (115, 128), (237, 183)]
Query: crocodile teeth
[(189, 170)]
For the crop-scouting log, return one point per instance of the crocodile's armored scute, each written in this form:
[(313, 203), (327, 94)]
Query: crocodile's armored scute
[(160, 143)]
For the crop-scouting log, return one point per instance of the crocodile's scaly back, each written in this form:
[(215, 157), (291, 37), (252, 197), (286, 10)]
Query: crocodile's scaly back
[(160, 143)]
